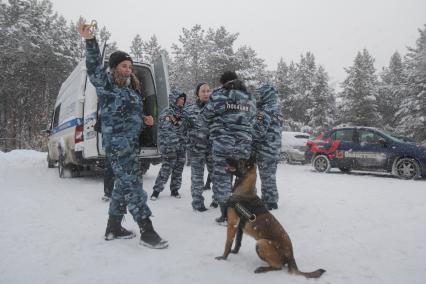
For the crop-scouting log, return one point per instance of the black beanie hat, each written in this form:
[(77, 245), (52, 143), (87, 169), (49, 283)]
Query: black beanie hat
[(228, 76), (117, 57), (197, 89)]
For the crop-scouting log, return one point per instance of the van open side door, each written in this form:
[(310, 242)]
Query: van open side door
[(161, 77)]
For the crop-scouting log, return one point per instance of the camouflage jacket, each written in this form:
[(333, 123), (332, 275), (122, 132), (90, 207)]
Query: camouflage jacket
[(121, 108), (268, 127), (196, 127), (230, 116), (172, 134)]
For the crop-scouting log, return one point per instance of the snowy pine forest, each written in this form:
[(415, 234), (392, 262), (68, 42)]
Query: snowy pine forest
[(39, 49)]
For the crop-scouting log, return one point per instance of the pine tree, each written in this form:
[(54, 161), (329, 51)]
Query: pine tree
[(392, 91), (203, 56), (75, 42), (285, 82), (189, 65), (36, 57), (307, 101), (323, 111), (219, 54), (136, 48), (413, 110), (296, 83), (104, 38), (360, 90), (151, 49), (251, 68), (305, 75)]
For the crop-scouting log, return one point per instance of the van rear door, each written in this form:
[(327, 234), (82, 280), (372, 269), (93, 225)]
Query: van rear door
[(92, 138)]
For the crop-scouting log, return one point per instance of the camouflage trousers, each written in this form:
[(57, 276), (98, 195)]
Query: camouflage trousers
[(108, 179), (222, 180), (267, 173), (123, 155), (198, 160), (170, 164)]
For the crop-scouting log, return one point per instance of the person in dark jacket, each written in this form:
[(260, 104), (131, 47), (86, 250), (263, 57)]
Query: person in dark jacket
[(230, 115), (267, 143), (200, 149), (173, 142), (122, 121)]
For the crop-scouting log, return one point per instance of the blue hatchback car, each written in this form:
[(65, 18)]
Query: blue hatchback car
[(367, 149)]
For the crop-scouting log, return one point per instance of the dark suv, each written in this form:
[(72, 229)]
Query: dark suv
[(369, 149)]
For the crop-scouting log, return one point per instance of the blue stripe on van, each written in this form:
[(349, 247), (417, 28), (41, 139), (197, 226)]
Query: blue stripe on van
[(68, 124)]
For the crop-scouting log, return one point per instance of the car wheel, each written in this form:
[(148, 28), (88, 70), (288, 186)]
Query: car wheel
[(321, 163), (284, 158), (345, 170), (407, 168)]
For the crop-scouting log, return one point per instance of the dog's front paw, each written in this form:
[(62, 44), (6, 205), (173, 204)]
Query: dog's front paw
[(221, 257)]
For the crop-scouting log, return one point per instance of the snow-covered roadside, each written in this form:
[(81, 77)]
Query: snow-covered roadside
[(360, 228)]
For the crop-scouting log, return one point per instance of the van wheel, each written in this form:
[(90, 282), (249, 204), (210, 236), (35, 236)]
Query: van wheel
[(406, 168), (321, 164)]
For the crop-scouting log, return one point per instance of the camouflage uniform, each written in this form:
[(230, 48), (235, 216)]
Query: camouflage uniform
[(200, 151), (230, 115), (267, 141), (172, 145), (122, 122)]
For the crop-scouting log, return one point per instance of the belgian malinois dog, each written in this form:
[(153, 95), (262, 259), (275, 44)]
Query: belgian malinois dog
[(247, 213)]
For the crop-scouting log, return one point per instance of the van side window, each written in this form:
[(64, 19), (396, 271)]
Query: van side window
[(56, 116)]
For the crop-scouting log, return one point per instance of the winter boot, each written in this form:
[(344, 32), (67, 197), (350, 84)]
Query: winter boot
[(106, 198), (175, 194), (202, 208), (214, 204), (149, 237), (154, 195), (114, 230), (222, 220)]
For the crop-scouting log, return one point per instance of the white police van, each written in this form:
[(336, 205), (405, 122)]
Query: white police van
[(74, 142)]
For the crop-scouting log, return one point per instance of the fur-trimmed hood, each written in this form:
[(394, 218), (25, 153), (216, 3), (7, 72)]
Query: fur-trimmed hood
[(173, 96)]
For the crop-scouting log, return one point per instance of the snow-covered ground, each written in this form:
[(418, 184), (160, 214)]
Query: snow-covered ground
[(361, 228)]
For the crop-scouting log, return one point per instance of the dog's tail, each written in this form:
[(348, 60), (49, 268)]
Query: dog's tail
[(292, 268)]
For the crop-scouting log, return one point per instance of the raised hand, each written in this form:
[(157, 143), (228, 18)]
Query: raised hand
[(85, 30)]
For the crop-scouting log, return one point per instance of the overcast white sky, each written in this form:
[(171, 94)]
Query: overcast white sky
[(334, 30)]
